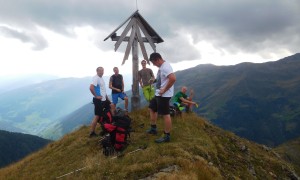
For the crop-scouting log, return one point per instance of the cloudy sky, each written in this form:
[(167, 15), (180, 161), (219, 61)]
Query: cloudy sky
[(65, 37)]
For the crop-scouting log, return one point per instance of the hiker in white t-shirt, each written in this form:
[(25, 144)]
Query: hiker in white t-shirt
[(100, 98), (165, 80)]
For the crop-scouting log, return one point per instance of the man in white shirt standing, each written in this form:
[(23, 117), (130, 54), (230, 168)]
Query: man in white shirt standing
[(100, 99), (163, 93)]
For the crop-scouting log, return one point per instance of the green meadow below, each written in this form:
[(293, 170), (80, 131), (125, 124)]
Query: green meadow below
[(198, 150)]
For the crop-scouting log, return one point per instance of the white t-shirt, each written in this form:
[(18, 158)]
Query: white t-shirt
[(162, 80), (99, 86)]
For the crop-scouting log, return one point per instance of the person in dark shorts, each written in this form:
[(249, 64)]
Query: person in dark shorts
[(100, 99), (165, 80)]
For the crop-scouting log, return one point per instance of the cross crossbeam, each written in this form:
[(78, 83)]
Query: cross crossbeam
[(138, 25)]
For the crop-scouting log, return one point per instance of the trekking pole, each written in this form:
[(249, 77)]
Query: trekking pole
[(80, 169), (138, 149), (77, 170)]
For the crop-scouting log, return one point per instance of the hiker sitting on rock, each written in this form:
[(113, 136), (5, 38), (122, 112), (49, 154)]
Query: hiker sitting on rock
[(182, 101)]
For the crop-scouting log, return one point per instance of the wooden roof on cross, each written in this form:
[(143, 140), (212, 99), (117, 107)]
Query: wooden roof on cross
[(136, 24), (155, 37)]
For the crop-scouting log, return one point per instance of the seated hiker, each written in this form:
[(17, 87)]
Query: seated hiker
[(182, 101)]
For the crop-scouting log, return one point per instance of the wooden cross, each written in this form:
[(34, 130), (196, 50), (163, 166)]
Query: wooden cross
[(136, 24)]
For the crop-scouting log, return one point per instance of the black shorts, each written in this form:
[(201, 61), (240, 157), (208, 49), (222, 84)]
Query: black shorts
[(160, 105), (100, 106)]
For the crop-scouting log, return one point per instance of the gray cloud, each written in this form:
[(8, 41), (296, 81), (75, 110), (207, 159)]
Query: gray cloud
[(252, 26), (39, 42), (248, 26), (177, 48)]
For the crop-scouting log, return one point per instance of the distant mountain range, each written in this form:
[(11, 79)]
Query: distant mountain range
[(260, 102), (32, 108), (70, 122), (15, 146), (14, 82), (39, 107)]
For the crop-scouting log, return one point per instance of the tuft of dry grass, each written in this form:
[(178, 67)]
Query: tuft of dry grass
[(199, 150), (290, 152)]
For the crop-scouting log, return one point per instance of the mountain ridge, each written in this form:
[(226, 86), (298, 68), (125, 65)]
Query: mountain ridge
[(248, 97), (15, 146), (198, 150)]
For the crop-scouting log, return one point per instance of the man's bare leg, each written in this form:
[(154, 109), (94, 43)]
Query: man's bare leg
[(190, 98), (168, 123), (167, 129), (113, 109), (93, 126), (126, 103), (153, 117)]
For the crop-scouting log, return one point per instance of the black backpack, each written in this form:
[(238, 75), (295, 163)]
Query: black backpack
[(174, 111), (117, 135)]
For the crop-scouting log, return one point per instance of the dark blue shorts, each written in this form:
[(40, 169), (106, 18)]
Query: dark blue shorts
[(160, 105)]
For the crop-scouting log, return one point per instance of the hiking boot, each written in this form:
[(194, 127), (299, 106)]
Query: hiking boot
[(93, 134), (163, 139), (151, 131)]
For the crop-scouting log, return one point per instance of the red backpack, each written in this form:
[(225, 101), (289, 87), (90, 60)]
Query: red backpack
[(106, 118), (117, 134)]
